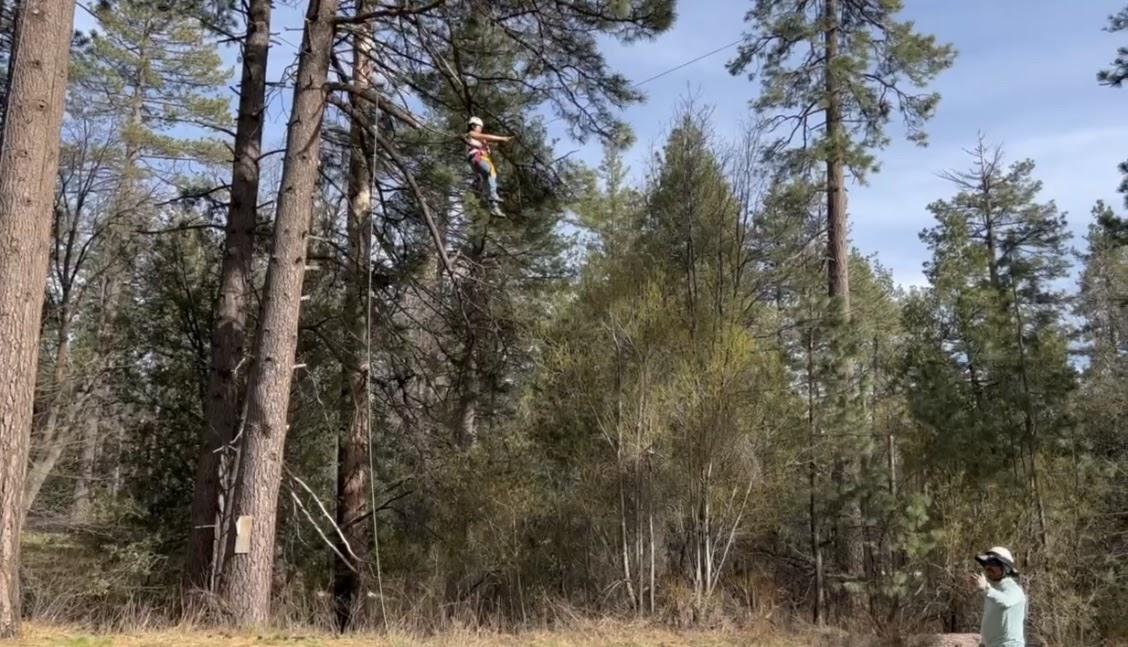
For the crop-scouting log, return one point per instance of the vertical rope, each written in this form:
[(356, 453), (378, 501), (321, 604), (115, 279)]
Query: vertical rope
[(375, 126)]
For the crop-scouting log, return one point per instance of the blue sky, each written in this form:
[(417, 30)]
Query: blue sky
[(1024, 77)]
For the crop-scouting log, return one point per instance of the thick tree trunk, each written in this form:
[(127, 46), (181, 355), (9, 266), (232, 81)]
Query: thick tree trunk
[(247, 589), (847, 469), (837, 252), (352, 444), (29, 161), (222, 405)]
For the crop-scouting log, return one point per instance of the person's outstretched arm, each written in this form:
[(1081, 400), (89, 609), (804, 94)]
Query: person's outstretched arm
[(490, 138)]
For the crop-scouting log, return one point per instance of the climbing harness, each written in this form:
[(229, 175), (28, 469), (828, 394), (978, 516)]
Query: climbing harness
[(477, 152), (485, 173)]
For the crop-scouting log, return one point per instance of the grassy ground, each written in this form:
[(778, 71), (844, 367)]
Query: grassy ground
[(66, 567), (618, 636)]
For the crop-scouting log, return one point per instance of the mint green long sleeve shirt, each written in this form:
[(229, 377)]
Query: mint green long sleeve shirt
[(1004, 614)]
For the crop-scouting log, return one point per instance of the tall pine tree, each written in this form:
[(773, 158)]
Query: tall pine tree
[(215, 467), (988, 373), (29, 159), (1102, 403), (832, 75)]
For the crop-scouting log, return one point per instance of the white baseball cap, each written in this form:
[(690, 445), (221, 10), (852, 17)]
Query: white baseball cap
[(998, 554), (476, 121)]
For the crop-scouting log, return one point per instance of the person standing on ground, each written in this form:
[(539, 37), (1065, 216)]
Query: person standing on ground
[(1004, 602), (478, 155)]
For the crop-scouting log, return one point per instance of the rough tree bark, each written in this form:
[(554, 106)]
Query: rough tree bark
[(837, 253), (29, 160), (247, 587), (352, 444), (846, 469), (222, 406)]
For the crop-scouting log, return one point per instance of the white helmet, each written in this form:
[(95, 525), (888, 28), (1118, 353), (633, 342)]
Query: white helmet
[(1000, 554), (476, 121)]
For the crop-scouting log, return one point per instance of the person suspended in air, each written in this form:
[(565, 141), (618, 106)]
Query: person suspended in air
[(478, 155)]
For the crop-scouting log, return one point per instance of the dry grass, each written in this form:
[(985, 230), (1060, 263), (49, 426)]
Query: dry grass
[(83, 600), (595, 635)]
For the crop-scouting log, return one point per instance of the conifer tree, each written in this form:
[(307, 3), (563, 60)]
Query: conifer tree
[(833, 73), (146, 75), (29, 159), (1115, 75), (990, 373), (215, 467), (1102, 402)]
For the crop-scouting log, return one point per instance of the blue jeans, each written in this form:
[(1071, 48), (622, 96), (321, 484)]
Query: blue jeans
[(486, 181)]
